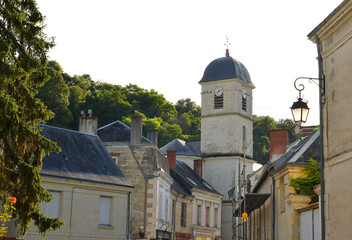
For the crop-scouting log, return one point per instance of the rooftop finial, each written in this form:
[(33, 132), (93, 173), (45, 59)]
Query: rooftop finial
[(227, 54)]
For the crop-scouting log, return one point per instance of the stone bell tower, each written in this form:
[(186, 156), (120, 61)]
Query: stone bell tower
[(226, 128)]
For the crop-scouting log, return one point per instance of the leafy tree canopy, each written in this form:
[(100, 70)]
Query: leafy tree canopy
[(23, 58)]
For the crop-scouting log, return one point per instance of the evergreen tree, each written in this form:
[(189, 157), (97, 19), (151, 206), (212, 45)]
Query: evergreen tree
[(23, 52)]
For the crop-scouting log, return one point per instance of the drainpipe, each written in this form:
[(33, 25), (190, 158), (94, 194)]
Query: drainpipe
[(273, 209), (174, 218), (128, 216), (321, 103)]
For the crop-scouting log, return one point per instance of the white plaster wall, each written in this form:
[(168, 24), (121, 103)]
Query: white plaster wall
[(218, 172), (223, 135)]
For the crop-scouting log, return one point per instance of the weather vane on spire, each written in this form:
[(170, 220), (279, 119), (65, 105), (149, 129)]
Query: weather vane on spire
[(227, 47)]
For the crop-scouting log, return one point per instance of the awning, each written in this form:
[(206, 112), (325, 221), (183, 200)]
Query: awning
[(253, 201)]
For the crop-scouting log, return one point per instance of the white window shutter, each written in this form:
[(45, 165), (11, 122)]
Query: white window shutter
[(52, 208), (166, 207), (105, 211), (160, 207)]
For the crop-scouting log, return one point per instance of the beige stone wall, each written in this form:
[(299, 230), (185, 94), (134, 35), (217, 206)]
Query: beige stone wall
[(221, 129), (335, 35), (148, 157), (287, 201), (179, 199), (260, 219), (79, 210)]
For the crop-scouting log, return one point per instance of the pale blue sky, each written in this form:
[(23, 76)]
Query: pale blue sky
[(166, 45)]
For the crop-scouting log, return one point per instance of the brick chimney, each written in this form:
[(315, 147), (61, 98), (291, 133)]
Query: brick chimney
[(152, 135), (307, 130), (88, 124), (278, 143), (197, 166), (171, 157), (136, 129)]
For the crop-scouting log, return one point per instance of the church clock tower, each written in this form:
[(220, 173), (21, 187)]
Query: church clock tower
[(226, 128)]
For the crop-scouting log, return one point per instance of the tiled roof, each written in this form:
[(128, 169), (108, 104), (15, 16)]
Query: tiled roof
[(82, 157)]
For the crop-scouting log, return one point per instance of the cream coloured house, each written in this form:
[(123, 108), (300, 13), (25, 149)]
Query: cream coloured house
[(273, 206), (90, 194), (196, 207), (335, 36)]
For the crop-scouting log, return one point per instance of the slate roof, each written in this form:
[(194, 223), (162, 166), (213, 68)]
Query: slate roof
[(83, 157), (181, 147), (187, 179), (225, 68), (117, 132), (300, 152), (297, 155)]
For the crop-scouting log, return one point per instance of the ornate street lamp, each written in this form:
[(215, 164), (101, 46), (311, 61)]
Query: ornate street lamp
[(300, 109)]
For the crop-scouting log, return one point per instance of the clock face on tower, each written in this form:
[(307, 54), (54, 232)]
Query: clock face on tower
[(244, 93), (219, 91)]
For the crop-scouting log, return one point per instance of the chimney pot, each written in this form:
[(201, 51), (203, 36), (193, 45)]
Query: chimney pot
[(136, 129), (197, 166), (88, 124), (152, 135), (278, 143), (171, 157)]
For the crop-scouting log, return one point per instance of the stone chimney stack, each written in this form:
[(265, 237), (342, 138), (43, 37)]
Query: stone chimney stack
[(88, 124), (307, 130), (152, 135), (136, 129), (278, 143), (171, 157), (197, 166)]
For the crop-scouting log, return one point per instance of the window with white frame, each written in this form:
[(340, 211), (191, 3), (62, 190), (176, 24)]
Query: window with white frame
[(199, 214), (163, 203), (166, 206), (105, 211), (52, 208), (216, 217)]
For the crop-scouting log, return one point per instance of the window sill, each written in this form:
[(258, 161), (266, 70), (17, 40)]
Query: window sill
[(105, 226)]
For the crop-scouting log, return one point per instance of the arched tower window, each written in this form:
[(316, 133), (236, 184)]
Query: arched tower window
[(218, 98), (244, 100)]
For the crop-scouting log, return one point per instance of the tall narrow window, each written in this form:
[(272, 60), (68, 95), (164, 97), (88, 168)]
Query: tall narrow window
[(218, 98), (166, 218), (183, 214), (160, 207), (52, 208), (216, 217), (207, 220), (199, 215), (105, 211), (244, 100)]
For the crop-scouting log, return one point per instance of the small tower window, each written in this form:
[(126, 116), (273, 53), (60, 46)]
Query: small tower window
[(218, 98), (244, 100)]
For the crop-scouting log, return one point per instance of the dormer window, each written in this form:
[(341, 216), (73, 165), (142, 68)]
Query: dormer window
[(218, 98)]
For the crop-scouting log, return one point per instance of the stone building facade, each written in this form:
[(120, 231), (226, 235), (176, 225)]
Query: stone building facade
[(335, 40), (146, 167)]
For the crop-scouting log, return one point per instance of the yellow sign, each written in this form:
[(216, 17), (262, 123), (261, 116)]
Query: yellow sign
[(245, 215)]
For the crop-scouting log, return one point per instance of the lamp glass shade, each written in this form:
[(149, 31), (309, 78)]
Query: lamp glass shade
[(300, 111)]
